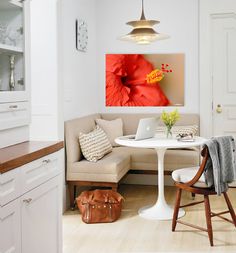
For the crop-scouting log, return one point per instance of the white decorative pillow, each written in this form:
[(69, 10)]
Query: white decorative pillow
[(113, 129), (180, 129), (95, 144)]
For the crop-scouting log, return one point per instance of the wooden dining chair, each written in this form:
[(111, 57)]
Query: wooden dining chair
[(193, 181)]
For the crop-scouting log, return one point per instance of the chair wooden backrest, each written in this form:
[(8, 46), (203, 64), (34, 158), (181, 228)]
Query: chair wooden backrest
[(205, 155), (189, 186)]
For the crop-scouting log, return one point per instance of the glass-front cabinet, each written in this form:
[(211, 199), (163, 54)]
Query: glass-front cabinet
[(13, 51), (14, 71)]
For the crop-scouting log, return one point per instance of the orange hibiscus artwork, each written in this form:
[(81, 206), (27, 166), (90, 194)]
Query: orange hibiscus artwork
[(135, 80)]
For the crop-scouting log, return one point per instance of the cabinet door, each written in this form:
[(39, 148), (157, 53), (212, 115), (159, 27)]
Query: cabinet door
[(39, 171), (15, 51), (41, 218), (14, 115), (10, 233), (10, 188)]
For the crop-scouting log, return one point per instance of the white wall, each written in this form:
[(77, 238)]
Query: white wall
[(77, 86), (64, 80), (79, 68), (179, 19), (46, 98)]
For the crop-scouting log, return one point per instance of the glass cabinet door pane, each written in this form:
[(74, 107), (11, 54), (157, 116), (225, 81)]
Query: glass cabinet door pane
[(11, 46)]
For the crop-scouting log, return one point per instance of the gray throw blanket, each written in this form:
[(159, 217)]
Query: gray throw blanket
[(220, 168)]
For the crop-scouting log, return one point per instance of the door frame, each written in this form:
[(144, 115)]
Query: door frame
[(205, 71), (208, 10)]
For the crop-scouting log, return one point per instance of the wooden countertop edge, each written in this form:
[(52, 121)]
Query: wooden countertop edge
[(29, 157)]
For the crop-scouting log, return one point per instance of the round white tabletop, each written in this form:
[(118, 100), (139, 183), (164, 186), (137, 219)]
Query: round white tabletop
[(161, 210), (159, 142)]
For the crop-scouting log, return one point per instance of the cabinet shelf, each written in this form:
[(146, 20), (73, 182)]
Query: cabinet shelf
[(10, 5), (16, 3), (10, 49)]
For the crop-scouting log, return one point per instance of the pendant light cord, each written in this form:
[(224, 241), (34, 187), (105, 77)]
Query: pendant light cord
[(142, 14)]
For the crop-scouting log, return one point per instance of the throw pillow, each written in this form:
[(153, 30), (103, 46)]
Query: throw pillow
[(113, 129), (94, 145), (180, 129)]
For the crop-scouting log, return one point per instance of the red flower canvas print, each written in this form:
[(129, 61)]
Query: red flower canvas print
[(144, 80)]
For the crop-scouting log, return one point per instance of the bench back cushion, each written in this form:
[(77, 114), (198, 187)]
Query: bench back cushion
[(131, 120), (130, 124), (72, 130)]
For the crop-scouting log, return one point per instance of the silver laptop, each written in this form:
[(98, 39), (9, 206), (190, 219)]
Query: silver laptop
[(146, 129)]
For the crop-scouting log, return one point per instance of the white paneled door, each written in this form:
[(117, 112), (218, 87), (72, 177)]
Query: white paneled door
[(224, 73), (218, 66)]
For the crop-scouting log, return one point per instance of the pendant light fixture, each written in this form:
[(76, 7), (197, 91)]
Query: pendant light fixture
[(143, 32)]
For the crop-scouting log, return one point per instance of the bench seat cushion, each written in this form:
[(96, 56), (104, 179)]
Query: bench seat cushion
[(146, 159), (111, 168)]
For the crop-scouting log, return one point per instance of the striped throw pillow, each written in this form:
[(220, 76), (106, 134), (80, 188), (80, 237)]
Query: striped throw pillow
[(95, 144), (180, 129)]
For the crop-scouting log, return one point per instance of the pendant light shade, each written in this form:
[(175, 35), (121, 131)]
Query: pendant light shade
[(143, 32)]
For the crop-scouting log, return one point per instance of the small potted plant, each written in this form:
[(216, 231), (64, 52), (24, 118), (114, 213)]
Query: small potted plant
[(169, 119)]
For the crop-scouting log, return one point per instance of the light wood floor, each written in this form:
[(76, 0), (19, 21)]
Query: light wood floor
[(132, 233)]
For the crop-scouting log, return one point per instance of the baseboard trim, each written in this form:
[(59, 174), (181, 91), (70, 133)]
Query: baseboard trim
[(148, 172), (146, 179)]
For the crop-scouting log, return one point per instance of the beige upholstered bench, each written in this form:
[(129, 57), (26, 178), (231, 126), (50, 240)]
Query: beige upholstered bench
[(122, 160)]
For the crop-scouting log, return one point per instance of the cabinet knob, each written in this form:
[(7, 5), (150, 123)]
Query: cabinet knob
[(27, 201), (46, 161), (13, 106)]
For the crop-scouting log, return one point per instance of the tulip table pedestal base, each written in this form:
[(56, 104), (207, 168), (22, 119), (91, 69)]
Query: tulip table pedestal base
[(161, 210)]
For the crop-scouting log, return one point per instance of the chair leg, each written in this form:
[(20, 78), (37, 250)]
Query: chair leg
[(208, 218), (230, 207), (176, 209), (72, 193), (193, 195)]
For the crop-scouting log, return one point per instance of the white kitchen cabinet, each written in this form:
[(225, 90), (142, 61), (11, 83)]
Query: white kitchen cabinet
[(41, 214), (10, 228), (15, 113), (39, 171), (14, 50), (31, 207), (10, 187)]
